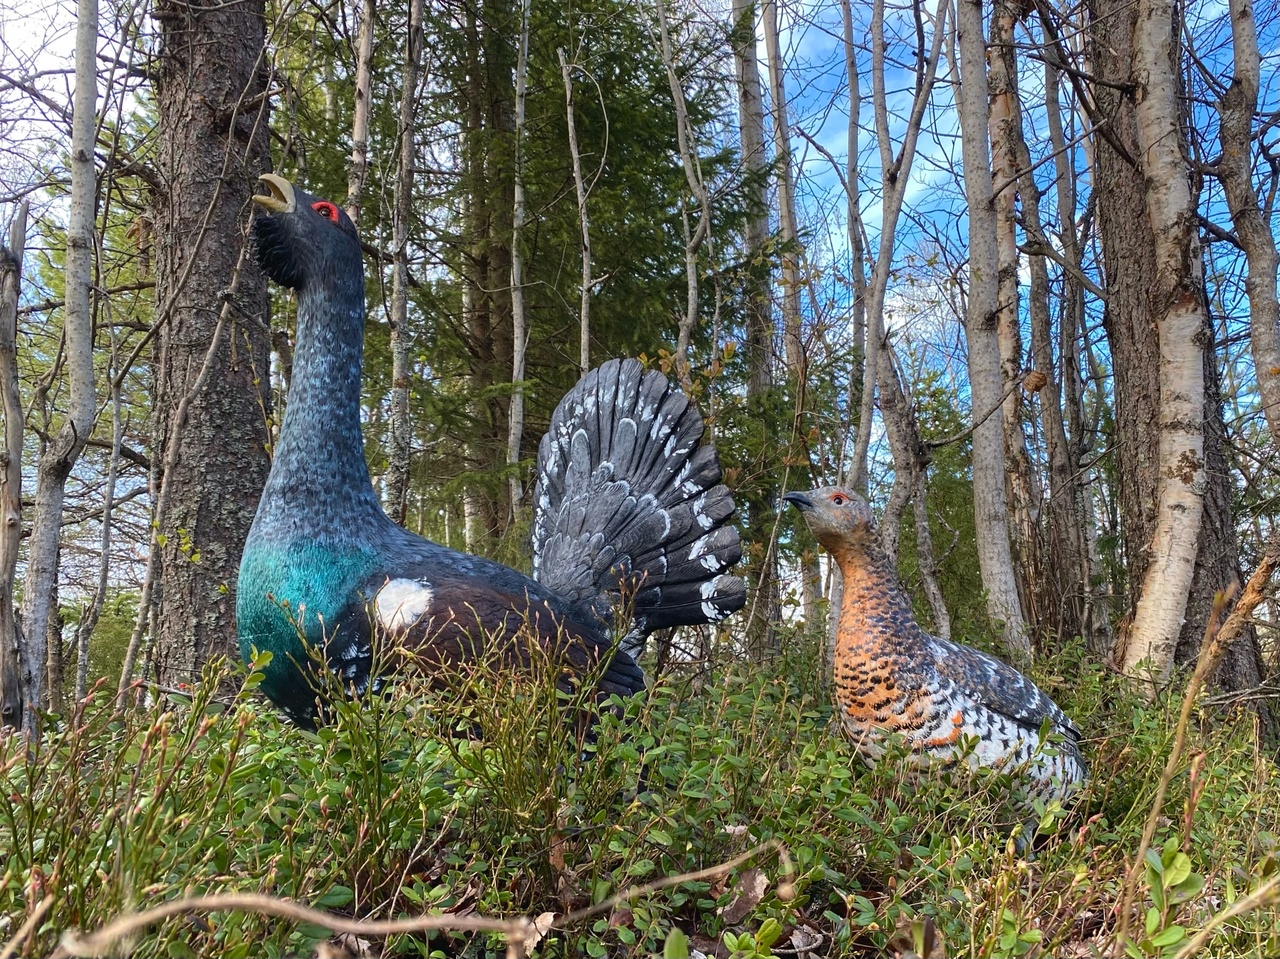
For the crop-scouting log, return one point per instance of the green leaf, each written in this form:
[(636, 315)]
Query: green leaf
[(1189, 888), (1168, 936), (1153, 920), (1177, 870), (676, 946), (335, 898), (768, 933), (660, 836)]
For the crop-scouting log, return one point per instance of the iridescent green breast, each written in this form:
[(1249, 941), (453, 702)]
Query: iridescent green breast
[(293, 593)]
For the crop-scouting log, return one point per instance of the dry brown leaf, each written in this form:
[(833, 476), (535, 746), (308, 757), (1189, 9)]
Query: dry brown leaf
[(752, 885), (541, 926)]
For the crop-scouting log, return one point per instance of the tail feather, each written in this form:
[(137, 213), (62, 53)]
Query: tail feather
[(629, 502)]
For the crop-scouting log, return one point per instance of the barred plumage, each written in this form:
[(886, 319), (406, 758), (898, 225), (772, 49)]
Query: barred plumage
[(893, 677)]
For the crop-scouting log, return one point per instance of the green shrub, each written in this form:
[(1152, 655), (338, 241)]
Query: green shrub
[(491, 796)]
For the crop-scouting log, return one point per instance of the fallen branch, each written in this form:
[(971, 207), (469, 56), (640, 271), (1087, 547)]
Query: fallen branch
[(520, 932)]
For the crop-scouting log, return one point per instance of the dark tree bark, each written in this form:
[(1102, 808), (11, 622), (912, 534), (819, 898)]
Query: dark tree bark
[(489, 172), (11, 703), (212, 146)]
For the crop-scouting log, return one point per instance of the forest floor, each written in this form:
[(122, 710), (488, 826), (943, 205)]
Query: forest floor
[(492, 804)]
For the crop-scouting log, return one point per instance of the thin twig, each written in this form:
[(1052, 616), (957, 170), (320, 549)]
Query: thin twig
[(516, 930), (1216, 642), (1260, 896), (34, 919)]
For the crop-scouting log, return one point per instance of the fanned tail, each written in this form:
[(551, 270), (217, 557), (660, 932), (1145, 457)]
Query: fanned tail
[(629, 506)]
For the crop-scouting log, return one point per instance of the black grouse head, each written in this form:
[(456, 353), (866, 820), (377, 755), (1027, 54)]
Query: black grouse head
[(836, 515), (299, 240)]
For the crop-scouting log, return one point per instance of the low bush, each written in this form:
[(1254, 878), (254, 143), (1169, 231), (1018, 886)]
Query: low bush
[(496, 797)]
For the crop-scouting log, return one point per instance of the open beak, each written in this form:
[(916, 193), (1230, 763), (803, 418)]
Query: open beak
[(281, 198), (799, 500)]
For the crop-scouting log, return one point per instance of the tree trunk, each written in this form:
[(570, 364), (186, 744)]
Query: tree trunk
[(39, 591), (519, 322), (584, 221), (693, 177), (1022, 490), (398, 447), (358, 172), (793, 345), (1177, 307), (11, 704), (1155, 296), (1235, 170), (862, 382), (760, 548), (488, 203), (211, 389), (1077, 609), (787, 232), (92, 611), (995, 557)]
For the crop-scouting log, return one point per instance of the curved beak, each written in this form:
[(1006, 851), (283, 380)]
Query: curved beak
[(799, 500), (281, 198)]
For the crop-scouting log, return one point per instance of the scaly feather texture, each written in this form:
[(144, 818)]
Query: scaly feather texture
[(893, 677), (625, 495)]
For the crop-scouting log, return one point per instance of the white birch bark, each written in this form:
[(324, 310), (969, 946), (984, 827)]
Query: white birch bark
[(358, 174), (398, 454), (11, 704), (63, 450), (584, 307), (1178, 310), (1022, 488), (519, 322), (995, 557)]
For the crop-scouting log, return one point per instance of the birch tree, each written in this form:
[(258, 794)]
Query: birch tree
[(697, 187), (787, 231), (519, 321), (358, 167), (1177, 308), (397, 485), (990, 513), (62, 451), (1021, 478), (584, 221)]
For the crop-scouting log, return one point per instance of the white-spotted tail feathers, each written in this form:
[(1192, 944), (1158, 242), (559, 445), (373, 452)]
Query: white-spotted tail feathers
[(629, 504)]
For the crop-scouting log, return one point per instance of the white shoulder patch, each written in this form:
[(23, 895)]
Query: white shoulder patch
[(401, 603)]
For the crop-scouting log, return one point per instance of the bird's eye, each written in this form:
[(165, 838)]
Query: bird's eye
[(839, 499), (326, 210)]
